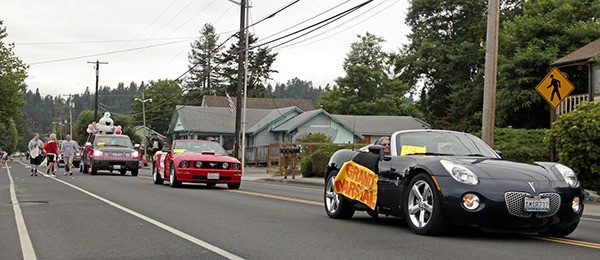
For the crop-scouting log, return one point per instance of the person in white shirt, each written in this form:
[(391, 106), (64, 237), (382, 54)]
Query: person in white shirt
[(36, 147), (68, 149)]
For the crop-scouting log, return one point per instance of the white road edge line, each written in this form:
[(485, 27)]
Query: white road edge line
[(175, 231), (26, 245)]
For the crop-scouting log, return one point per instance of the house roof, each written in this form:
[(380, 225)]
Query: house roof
[(221, 120), (148, 130), (215, 119), (271, 118), (300, 119), (381, 125), (582, 54), (259, 103)]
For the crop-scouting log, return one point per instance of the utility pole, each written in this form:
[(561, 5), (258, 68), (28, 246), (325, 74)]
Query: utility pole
[(491, 73), (97, 79), (71, 106), (143, 100), (240, 78)]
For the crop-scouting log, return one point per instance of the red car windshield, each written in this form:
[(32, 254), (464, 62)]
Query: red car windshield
[(182, 146)]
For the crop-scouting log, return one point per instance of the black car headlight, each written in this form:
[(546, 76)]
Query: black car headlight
[(568, 175), (460, 173), (184, 164)]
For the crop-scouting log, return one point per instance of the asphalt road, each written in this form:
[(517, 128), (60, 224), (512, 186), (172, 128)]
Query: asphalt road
[(125, 217)]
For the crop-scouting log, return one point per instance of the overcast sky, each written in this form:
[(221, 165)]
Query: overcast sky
[(79, 31)]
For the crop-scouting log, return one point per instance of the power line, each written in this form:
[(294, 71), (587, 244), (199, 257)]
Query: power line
[(99, 41), (147, 26), (296, 44), (318, 25), (104, 53), (302, 22)]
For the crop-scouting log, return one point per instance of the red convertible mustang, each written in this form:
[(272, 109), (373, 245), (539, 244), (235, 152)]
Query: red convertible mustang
[(196, 161)]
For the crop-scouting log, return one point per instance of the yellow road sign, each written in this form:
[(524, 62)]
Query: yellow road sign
[(555, 87)]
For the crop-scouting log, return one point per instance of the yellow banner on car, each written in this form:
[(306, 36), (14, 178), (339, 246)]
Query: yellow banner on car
[(408, 150), (358, 183)]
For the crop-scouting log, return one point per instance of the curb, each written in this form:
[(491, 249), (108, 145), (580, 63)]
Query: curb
[(295, 181)]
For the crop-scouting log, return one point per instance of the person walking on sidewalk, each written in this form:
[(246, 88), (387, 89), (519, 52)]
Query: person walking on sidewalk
[(51, 151), (35, 147), (68, 149)]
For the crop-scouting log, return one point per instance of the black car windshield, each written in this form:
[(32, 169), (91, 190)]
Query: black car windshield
[(182, 146), (442, 143), (112, 141)]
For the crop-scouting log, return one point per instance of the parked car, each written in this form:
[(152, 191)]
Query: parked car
[(196, 161), (111, 152), (438, 178)]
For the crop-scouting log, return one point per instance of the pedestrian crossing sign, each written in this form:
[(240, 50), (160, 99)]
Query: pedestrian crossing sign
[(555, 87)]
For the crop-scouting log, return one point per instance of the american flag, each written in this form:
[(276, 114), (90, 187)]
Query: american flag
[(231, 104)]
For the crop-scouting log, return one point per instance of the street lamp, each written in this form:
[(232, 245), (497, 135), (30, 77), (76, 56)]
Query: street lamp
[(144, 119)]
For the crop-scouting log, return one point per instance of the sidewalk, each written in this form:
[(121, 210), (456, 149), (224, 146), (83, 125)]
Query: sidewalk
[(592, 206)]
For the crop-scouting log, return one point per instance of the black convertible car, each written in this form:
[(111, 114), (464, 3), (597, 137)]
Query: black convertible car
[(438, 178)]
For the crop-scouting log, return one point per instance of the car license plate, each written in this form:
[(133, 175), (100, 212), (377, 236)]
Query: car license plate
[(117, 167), (537, 204), (213, 176)]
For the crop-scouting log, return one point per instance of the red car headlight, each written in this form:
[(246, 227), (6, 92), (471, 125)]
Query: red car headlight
[(225, 165), (184, 164), (198, 164), (236, 166)]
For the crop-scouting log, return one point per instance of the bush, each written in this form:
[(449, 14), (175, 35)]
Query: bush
[(315, 164), (315, 138), (577, 141), (522, 145)]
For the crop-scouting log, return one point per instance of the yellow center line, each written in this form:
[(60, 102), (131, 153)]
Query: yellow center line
[(569, 242), (309, 202)]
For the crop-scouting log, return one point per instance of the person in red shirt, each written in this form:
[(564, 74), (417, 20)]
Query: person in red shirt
[(51, 151)]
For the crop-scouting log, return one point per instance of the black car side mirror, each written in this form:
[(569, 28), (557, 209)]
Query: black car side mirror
[(377, 149), (498, 152)]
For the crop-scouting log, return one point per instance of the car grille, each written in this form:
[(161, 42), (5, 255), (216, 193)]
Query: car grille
[(205, 178), (118, 154), (211, 165), (515, 204)]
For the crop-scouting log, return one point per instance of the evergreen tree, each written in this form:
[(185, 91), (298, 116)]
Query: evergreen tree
[(259, 68), (204, 57)]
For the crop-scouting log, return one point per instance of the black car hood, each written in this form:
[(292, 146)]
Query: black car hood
[(498, 169)]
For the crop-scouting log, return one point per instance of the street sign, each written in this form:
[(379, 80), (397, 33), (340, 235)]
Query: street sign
[(555, 87)]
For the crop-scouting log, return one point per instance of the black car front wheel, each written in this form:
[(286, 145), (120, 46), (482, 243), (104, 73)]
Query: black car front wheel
[(336, 205), (422, 206)]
